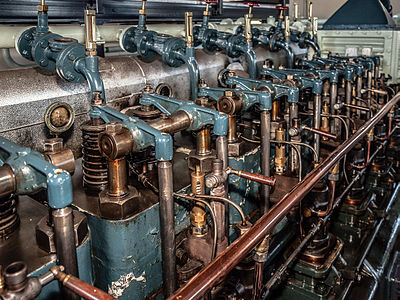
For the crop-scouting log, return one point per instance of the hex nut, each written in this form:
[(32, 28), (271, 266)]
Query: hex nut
[(118, 208), (204, 161), (113, 127), (45, 233), (235, 149), (53, 145)]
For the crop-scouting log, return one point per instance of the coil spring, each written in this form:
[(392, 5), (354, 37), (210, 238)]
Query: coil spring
[(9, 219), (94, 165)]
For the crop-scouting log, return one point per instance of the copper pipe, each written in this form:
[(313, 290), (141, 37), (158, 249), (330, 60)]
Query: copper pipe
[(117, 177), (258, 280), (359, 107), (275, 110), (174, 123), (230, 257), (270, 181), (203, 141), (332, 188), (320, 132), (232, 132), (78, 286)]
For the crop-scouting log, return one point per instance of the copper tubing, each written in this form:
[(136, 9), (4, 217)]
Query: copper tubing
[(332, 189), (270, 181), (171, 124), (7, 181), (320, 132), (258, 280), (78, 286), (203, 141), (359, 107), (227, 260), (232, 131), (117, 177)]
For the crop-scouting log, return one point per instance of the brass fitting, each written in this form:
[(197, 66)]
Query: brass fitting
[(189, 28), (310, 11), (115, 142), (287, 27), (55, 153), (315, 26), (280, 150), (198, 216), (230, 103), (207, 11), (90, 32), (325, 120), (295, 11), (42, 7), (142, 11), (247, 27)]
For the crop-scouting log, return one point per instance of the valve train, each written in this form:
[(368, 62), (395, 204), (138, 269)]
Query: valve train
[(239, 164)]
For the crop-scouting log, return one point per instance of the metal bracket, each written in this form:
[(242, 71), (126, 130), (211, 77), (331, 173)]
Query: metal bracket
[(199, 115), (143, 135), (33, 173)]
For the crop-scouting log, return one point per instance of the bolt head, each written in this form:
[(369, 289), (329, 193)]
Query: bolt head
[(228, 93), (113, 127), (53, 145)]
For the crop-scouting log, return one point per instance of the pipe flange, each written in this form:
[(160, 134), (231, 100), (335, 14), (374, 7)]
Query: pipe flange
[(127, 40), (171, 47), (142, 45), (23, 44), (59, 44), (66, 63), (208, 36), (39, 51), (235, 43)]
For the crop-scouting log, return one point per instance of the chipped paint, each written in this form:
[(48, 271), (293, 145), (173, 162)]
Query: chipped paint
[(118, 287)]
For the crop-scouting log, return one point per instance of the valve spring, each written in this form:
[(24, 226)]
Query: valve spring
[(94, 165), (9, 219)]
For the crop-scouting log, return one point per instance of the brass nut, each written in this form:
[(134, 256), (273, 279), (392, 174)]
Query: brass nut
[(204, 161), (118, 208), (53, 145), (228, 93), (235, 149), (113, 127), (45, 233), (42, 8), (91, 53), (198, 219)]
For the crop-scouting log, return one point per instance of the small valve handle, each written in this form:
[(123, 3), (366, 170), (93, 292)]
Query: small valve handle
[(270, 181), (282, 9), (90, 32), (208, 2), (251, 5)]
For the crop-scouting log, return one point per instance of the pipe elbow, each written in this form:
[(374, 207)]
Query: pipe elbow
[(289, 52), (252, 62), (313, 45), (89, 69)]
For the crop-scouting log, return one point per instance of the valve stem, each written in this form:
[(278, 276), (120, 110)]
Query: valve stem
[(247, 22), (189, 28), (90, 32)]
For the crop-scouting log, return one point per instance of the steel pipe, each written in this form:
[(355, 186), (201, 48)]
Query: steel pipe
[(65, 245), (167, 225), (227, 260), (265, 123)]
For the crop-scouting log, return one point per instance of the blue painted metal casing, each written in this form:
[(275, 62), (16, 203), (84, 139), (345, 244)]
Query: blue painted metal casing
[(33, 173), (143, 135), (52, 290), (198, 115)]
